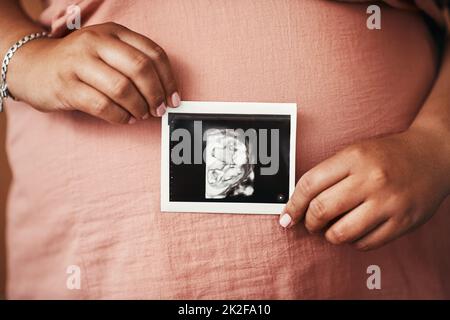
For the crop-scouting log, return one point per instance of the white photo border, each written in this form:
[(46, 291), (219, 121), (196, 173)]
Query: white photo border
[(224, 108)]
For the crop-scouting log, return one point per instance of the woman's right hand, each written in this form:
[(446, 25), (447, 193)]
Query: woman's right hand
[(105, 70)]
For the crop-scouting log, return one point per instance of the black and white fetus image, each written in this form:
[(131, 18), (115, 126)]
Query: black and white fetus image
[(229, 157), (229, 171)]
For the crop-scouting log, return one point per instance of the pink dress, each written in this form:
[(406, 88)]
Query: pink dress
[(87, 193)]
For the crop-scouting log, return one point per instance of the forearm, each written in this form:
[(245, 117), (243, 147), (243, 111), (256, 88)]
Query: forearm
[(435, 114), (14, 24), (433, 120)]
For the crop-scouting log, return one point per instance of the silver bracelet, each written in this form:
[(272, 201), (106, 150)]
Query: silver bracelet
[(4, 92)]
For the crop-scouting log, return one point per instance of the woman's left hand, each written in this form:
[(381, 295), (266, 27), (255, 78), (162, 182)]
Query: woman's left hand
[(373, 192)]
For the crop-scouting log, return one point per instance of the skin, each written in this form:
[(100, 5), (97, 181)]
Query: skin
[(375, 191), (107, 71), (368, 194)]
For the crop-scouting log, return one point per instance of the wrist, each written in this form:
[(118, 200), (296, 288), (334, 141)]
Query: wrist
[(431, 143), (22, 67), (17, 32)]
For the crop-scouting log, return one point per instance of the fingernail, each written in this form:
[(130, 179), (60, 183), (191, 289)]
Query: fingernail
[(285, 220), (361, 246), (176, 99), (132, 120), (147, 115), (161, 110)]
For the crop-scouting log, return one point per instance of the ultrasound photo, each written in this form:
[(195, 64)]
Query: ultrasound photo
[(228, 168), (216, 158)]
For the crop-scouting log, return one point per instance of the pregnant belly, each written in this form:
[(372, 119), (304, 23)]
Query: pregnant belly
[(349, 82), (90, 195)]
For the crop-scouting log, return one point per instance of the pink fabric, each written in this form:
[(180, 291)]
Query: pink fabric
[(87, 193), (58, 13)]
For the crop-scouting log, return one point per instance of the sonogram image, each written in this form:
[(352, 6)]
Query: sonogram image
[(228, 169), (224, 156)]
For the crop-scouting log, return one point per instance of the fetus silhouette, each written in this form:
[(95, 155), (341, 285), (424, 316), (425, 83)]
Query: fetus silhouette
[(228, 171)]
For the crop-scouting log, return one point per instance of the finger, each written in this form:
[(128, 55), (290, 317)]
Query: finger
[(95, 103), (115, 85), (310, 185), (138, 67), (355, 224), (333, 202), (160, 60), (385, 233)]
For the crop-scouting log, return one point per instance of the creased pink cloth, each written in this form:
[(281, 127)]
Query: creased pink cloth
[(87, 193), (58, 13)]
